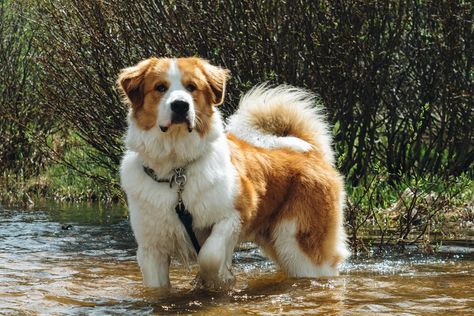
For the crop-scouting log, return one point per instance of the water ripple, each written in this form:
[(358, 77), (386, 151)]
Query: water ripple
[(47, 267)]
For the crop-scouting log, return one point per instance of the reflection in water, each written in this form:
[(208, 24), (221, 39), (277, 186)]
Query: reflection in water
[(91, 268)]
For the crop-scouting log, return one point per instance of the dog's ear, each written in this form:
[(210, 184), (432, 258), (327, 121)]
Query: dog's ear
[(217, 77), (130, 82)]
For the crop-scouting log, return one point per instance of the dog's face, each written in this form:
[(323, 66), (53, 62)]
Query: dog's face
[(173, 94)]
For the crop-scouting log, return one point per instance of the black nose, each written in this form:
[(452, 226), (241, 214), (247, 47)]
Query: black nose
[(180, 107)]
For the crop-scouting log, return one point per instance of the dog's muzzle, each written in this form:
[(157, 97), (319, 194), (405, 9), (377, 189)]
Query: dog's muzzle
[(180, 114)]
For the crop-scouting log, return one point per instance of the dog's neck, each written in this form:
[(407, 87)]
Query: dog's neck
[(176, 148)]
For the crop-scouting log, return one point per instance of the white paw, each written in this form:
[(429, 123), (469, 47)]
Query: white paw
[(217, 283)]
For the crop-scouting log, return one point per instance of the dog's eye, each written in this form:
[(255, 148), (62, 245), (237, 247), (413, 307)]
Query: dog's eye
[(161, 88), (191, 88)]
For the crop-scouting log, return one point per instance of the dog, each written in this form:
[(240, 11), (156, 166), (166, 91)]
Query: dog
[(267, 177)]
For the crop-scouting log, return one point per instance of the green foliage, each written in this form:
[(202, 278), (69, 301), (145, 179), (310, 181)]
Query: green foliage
[(23, 122), (418, 209), (64, 180), (77, 177)]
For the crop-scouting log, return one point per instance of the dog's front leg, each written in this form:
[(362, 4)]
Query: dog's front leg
[(215, 257), (154, 266)]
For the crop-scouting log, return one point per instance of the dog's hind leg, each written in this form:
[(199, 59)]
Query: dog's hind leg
[(292, 259), (154, 266), (215, 257), (308, 237)]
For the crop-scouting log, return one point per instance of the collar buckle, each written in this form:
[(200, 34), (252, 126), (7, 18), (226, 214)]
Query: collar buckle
[(179, 177)]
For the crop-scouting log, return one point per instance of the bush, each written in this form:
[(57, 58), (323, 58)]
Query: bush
[(22, 119), (395, 75)]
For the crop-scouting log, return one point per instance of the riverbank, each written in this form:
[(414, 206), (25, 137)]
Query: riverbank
[(61, 184)]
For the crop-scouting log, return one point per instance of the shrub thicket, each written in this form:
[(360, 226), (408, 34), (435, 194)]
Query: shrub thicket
[(22, 120), (396, 76)]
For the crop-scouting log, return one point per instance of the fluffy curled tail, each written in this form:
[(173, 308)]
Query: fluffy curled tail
[(282, 117)]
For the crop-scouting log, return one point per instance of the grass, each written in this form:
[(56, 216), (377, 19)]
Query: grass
[(74, 177), (59, 184), (421, 210)]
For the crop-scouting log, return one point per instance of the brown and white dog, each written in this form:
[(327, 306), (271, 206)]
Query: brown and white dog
[(268, 177)]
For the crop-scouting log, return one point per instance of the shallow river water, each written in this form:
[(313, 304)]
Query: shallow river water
[(48, 267)]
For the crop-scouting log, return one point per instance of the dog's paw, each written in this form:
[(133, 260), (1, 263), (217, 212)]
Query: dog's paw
[(214, 284)]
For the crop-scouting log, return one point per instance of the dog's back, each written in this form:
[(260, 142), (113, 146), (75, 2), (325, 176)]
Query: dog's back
[(291, 197)]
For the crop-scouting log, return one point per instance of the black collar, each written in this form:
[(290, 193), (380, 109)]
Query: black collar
[(151, 173)]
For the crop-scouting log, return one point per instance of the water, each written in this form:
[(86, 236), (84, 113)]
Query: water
[(90, 268)]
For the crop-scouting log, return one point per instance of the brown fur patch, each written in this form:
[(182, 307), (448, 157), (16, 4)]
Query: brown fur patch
[(279, 184), (138, 83), (282, 121), (210, 87)]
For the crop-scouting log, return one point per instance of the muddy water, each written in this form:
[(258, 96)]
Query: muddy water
[(47, 267)]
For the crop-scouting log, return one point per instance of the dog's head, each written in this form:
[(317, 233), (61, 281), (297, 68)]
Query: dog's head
[(173, 94)]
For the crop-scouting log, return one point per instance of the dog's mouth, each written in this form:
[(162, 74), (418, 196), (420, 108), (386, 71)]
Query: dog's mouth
[(177, 120)]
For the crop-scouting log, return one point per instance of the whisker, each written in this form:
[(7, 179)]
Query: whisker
[(198, 119)]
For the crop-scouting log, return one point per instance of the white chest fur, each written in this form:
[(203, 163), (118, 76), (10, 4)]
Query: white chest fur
[(209, 196)]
